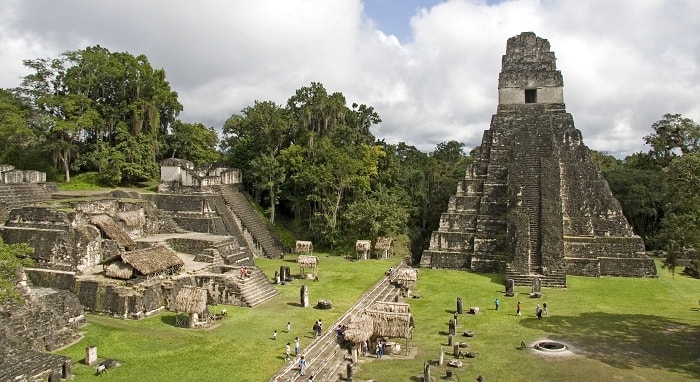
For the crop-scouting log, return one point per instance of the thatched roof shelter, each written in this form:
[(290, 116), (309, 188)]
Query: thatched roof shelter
[(153, 260), (112, 230), (406, 277), (304, 247), (362, 248), (392, 307), (359, 329), (307, 261), (380, 323), (383, 247), (191, 299), (391, 325), (119, 270), (383, 243)]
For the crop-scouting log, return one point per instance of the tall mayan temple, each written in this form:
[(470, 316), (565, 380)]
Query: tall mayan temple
[(533, 203)]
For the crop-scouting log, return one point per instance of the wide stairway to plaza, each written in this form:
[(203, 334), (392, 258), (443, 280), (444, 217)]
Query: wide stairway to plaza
[(255, 289)]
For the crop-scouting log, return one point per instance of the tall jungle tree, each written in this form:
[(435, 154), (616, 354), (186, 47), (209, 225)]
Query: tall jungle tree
[(93, 95)]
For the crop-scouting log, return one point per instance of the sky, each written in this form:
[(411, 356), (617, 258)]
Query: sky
[(429, 68)]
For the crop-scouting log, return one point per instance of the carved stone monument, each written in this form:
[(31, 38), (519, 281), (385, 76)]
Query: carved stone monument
[(460, 309), (536, 288), (304, 296), (510, 288), (90, 355), (533, 202)]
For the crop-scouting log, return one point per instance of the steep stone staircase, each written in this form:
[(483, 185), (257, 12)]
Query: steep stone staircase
[(230, 225), (255, 289), (252, 222)]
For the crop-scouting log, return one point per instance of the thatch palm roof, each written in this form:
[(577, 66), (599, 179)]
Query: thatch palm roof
[(383, 243), (191, 299), (152, 260), (371, 323), (393, 307), (112, 230), (406, 274), (359, 329), (304, 247), (119, 270), (392, 325), (363, 245), (307, 261)]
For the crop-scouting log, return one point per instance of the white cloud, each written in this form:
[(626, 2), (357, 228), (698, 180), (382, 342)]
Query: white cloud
[(625, 63)]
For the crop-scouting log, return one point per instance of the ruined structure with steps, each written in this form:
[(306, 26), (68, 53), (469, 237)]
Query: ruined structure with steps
[(21, 188), (108, 248), (533, 203)]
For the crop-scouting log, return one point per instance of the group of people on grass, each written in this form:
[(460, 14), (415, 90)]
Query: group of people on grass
[(538, 311)]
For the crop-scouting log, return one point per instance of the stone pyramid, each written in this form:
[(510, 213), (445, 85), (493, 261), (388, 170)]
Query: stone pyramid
[(533, 204)]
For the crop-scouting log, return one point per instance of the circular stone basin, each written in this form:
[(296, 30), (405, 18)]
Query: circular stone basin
[(551, 346)]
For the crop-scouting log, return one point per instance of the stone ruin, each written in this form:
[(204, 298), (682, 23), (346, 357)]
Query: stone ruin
[(22, 187), (127, 254), (533, 203), (181, 176), (123, 254)]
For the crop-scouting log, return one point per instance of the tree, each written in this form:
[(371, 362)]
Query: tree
[(605, 161), (643, 196), (90, 96), (680, 230), (259, 129), (15, 132), (12, 258), (192, 141), (673, 136), (270, 175)]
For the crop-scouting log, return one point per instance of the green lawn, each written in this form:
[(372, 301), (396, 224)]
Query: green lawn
[(619, 329)]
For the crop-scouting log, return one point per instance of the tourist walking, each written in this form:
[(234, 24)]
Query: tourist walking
[(378, 350), (544, 307), (517, 311), (296, 346), (287, 352), (302, 366), (497, 303), (274, 335), (537, 309), (539, 314), (289, 326)]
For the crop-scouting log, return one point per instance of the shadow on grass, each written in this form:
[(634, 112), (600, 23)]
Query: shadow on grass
[(628, 340), (168, 319)]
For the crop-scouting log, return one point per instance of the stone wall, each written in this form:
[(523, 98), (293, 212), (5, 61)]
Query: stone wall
[(47, 320), (61, 240)]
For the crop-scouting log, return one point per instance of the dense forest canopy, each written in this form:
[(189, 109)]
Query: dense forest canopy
[(312, 163)]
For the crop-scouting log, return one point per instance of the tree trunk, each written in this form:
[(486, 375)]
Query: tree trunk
[(63, 157), (272, 205), (339, 197)]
